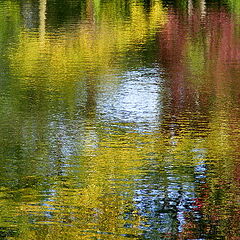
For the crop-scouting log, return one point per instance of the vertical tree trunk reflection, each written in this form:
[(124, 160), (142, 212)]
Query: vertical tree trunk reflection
[(203, 8), (42, 19), (190, 7)]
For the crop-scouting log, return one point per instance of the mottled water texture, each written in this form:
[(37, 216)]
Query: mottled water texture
[(119, 119)]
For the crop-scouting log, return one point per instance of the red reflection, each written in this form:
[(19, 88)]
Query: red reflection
[(216, 33), (200, 52)]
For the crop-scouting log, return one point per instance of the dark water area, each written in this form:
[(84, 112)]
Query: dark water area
[(119, 119)]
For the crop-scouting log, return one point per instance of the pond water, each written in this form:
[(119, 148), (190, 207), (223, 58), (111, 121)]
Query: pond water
[(120, 119)]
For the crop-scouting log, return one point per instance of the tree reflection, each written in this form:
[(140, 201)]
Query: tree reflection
[(94, 149), (201, 76)]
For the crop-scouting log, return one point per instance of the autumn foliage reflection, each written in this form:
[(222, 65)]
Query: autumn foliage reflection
[(96, 143), (200, 52)]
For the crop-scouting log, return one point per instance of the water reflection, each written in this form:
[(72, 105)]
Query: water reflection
[(119, 120), (136, 101), (204, 86)]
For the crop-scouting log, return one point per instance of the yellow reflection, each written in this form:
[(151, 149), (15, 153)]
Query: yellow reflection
[(98, 208), (91, 47)]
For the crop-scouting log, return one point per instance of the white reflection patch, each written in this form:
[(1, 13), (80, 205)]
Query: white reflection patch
[(136, 100)]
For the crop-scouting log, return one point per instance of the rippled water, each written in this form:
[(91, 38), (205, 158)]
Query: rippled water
[(119, 119)]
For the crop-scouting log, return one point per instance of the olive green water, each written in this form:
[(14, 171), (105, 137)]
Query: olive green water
[(119, 119)]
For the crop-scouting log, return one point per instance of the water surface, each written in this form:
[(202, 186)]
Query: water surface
[(119, 119)]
